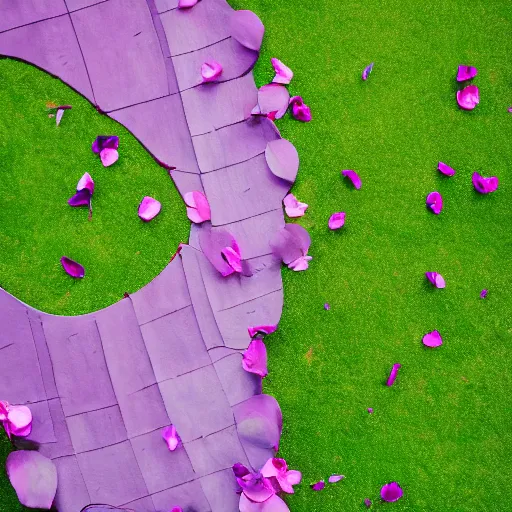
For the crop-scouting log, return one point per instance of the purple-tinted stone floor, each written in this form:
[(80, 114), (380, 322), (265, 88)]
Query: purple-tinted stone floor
[(102, 386)]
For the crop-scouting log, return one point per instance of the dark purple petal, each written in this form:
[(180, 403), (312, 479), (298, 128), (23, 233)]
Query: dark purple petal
[(466, 73), (247, 29), (318, 486), (283, 159), (290, 243), (82, 198), (300, 110), (261, 330), (368, 502), (483, 294), (393, 374), (353, 177), (105, 141), (469, 97), (367, 70), (34, 478), (73, 268), (485, 185), (445, 169), (432, 339), (337, 221), (434, 201), (391, 492), (335, 478), (240, 470), (436, 279), (255, 358)]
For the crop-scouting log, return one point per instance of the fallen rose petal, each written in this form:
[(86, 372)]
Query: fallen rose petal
[(247, 29), (466, 73), (109, 156), (353, 177), (445, 169), (393, 374), (198, 208), (368, 502), (210, 71), (171, 437), (432, 339), (262, 330), (300, 110), (290, 243), (434, 201), (293, 207), (485, 185), (300, 264), (483, 294), (82, 198), (105, 141), (318, 486), (284, 74), (469, 97), (391, 492), (20, 420), (73, 268), (272, 99), (283, 159), (185, 4), (254, 359), (240, 470), (436, 279), (367, 70), (149, 208), (337, 221), (335, 478), (34, 478), (278, 469)]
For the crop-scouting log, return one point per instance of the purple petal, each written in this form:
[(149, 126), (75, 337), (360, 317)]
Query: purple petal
[(283, 159), (185, 4), (466, 73), (434, 201), (300, 264), (176, 509), (290, 243), (214, 244), (149, 208), (293, 207), (367, 70), (86, 182), (300, 110), (240, 470), (261, 330), (273, 98), (4, 408), (483, 294), (58, 116), (469, 97), (445, 169), (105, 141), (34, 478), (485, 185), (255, 358), (436, 279), (368, 502), (198, 207), (353, 177), (393, 374), (211, 70), (391, 492), (432, 339), (247, 29), (171, 437), (82, 198), (109, 156), (256, 487), (335, 478), (284, 74), (318, 486), (327, 306), (20, 420), (336, 220), (370, 410), (509, 110), (73, 268)]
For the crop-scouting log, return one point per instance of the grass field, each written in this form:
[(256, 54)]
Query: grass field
[(443, 431)]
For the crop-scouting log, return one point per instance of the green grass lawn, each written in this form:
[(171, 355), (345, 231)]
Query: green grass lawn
[(443, 431)]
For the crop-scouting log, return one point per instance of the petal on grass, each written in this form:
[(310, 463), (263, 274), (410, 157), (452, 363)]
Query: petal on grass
[(82, 198), (105, 141), (171, 437), (483, 294), (335, 478), (318, 486), (391, 492), (109, 156), (73, 268), (283, 159), (254, 359), (284, 74), (366, 71), (211, 71), (34, 478), (368, 502), (247, 29), (353, 177), (434, 201), (300, 264), (445, 169), (469, 97), (466, 73), (86, 182), (436, 279), (485, 185), (393, 374), (432, 339), (149, 208), (293, 207), (300, 110), (337, 221)]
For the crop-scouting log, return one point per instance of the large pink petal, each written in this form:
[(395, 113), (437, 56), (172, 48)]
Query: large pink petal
[(171, 437), (435, 202), (256, 487), (73, 268), (273, 98), (255, 359), (466, 73), (445, 169), (284, 74), (34, 478), (432, 339), (353, 177), (211, 71), (109, 156), (294, 477), (293, 207), (149, 208), (4, 409), (337, 221), (283, 159), (469, 97), (391, 492), (247, 29)]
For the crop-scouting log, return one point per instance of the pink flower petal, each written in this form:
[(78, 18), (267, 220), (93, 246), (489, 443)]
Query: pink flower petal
[(247, 29), (4, 409), (353, 177), (171, 437), (109, 156), (445, 169), (335, 478), (300, 110), (198, 207), (261, 330), (149, 208), (283, 159), (34, 478), (211, 71), (436, 279), (214, 244), (256, 487), (391, 492), (272, 98), (86, 182), (483, 295), (73, 268), (255, 358), (466, 73), (290, 243), (434, 201), (367, 70), (293, 207), (485, 185), (370, 410), (432, 339), (337, 221), (368, 502), (185, 4), (278, 469), (105, 141), (318, 486), (232, 257), (393, 374), (284, 74), (20, 420), (469, 97), (300, 264)]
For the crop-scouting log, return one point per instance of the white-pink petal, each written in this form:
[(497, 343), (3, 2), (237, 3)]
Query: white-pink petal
[(109, 156), (293, 207), (284, 74)]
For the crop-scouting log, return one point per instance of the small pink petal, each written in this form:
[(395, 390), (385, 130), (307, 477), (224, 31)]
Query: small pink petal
[(393, 374), (485, 185), (149, 208), (445, 169), (300, 263), (337, 221), (109, 156), (353, 177), (171, 437), (73, 268), (432, 339), (20, 420), (254, 359), (293, 207), (261, 330), (366, 72), (469, 97), (284, 74), (85, 182), (483, 295), (391, 492), (436, 279), (211, 71), (233, 258), (466, 73), (335, 478), (435, 202), (318, 486), (300, 110), (198, 207), (185, 4)]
